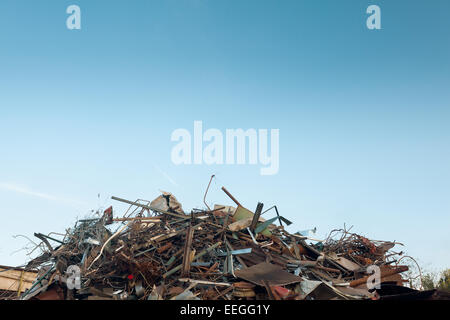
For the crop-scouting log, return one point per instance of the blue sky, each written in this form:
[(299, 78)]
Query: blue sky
[(363, 115)]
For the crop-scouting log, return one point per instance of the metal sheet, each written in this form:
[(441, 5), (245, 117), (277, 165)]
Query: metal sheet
[(273, 274)]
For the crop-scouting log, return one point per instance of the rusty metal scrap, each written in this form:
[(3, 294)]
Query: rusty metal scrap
[(157, 251)]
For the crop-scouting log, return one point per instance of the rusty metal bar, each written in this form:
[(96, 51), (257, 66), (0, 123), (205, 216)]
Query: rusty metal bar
[(231, 197)]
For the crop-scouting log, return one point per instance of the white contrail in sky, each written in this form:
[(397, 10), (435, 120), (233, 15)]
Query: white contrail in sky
[(166, 176), (29, 192)]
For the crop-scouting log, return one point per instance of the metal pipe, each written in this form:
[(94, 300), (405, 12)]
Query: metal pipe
[(231, 197)]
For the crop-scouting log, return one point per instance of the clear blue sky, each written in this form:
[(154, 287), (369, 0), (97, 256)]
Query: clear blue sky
[(363, 115)]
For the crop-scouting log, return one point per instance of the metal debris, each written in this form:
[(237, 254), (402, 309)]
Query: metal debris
[(157, 251)]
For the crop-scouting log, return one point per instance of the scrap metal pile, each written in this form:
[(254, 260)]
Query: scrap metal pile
[(155, 251)]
